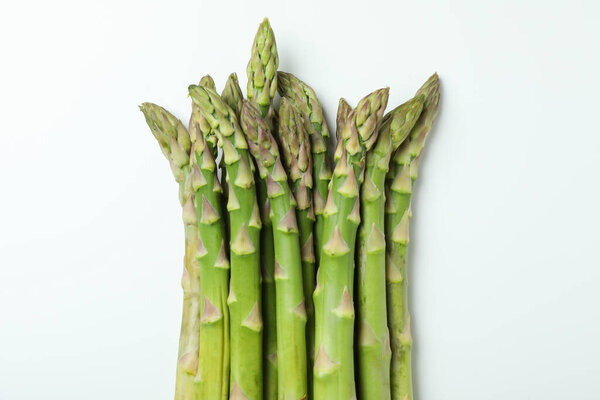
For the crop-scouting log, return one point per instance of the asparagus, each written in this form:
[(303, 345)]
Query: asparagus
[(198, 126), (305, 99), (295, 146), (262, 71), (334, 308), (291, 314), (261, 88), (175, 144), (212, 381), (267, 257), (244, 294), (343, 111), (373, 348), (232, 94), (397, 218)]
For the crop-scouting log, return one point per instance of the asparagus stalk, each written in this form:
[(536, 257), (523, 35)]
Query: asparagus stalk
[(175, 144), (261, 88), (373, 347), (267, 257), (305, 99), (212, 381), (291, 314), (295, 146), (397, 218), (213, 364), (334, 308), (244, 294)]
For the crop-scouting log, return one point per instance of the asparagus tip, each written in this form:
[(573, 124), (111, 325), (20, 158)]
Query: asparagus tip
[(207, 81)]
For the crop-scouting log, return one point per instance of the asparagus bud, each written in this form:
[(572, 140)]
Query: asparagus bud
[(232, 94), (262, 70)]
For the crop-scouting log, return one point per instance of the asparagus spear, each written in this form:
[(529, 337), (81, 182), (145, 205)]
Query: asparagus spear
[(291, 314), (212, 381), (334, 308), (232, 95), (267, 259), (175, 144), (261, 88), (244, 294), (295, 146), (305, 99), (397, 218), (213, 365), (374, 351), (306, 102)]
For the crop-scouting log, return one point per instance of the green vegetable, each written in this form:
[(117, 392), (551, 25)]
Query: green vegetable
[(198, 126), (232, 94), (244, 220), (373, 348), (262, 86), (262, 71), (343, 111), (275, 240), (397, 219), (295, 146), (175, 144), (334, 308), (212, 379), (305, 99), (267, 257), (290, 307)]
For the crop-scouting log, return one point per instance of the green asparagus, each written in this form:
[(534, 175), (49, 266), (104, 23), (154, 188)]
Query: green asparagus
[(244, 293), (290, 305), (305, 99), (343, 111), (295, 146), (334, 308), (198, 126), (261, 88), (212, 381), (373, 347), (175, 143), (397, 218), (275, 241), (232, 94), (262, 71), (267, 257)]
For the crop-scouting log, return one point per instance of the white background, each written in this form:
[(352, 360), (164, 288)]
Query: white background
[(505, 267)]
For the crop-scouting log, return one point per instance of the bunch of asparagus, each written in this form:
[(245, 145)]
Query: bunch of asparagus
[(277, 234)]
